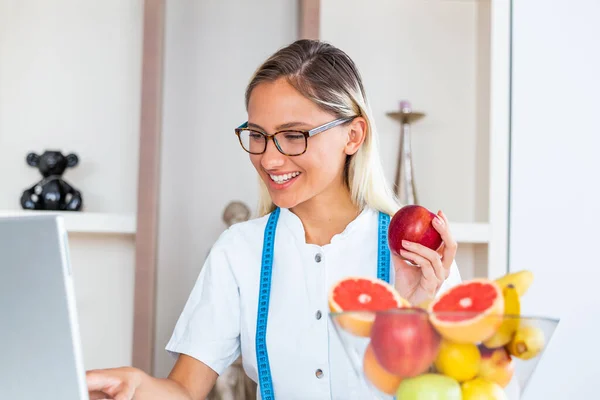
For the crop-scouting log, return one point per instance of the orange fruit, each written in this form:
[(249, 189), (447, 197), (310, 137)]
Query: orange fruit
[(459, 361), (377, 375), (356, 299), (474, 311)]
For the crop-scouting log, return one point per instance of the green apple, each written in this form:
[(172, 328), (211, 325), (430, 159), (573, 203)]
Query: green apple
[(429, 387)]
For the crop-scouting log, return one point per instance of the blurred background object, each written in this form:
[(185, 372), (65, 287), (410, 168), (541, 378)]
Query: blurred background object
[(406, 189), (52, 192), (236, 211), (233, 384)]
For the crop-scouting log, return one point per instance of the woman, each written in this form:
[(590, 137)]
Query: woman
[(312, 140)]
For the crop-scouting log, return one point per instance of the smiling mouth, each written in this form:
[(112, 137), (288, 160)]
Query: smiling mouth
[(283, 178)]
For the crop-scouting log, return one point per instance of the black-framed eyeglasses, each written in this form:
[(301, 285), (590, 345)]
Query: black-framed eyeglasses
[(289, 142)]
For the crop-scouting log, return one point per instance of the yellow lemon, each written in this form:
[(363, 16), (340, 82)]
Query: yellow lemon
[(458, 360), (479, 388)]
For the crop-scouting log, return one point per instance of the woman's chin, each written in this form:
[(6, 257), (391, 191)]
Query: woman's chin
[(284, 201), (284, 204)]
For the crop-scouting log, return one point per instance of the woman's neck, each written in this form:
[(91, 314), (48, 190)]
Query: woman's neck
[(326, 215)]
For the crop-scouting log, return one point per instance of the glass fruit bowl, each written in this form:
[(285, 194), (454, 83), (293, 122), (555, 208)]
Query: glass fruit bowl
[(413, 354)]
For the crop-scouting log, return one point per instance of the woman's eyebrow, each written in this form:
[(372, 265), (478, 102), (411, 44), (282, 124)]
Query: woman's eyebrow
[(291, 125), (287, 125), (252, 125)]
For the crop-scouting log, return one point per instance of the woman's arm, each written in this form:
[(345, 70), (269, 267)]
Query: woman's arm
[(208, 329), (190, 379)]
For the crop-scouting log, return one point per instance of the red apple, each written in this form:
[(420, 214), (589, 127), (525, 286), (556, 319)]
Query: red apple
[(413, 223), (404, 341), (496, 365)]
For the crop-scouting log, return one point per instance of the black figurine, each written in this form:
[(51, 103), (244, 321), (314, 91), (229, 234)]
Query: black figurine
[(52, 192)]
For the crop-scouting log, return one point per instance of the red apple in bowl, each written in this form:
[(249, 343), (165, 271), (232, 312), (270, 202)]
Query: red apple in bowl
[(415, 224), (404, 341)]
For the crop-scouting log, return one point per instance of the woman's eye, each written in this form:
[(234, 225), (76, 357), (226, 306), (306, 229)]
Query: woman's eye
[(293, 136), (255, 136)]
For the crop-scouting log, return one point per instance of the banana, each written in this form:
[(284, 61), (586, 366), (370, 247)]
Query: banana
[(521, 280), (527, 342), (510, 323)]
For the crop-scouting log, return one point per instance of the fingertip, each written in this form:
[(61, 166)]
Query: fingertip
[(439, 224), (443, 214)]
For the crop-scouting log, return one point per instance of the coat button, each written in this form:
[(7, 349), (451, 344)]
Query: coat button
[(318, 257), (319, 373), (318, 314)]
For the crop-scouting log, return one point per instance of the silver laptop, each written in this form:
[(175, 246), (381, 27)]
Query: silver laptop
[(40, 350)]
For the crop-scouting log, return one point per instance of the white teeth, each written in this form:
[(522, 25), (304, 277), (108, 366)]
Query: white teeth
[(284, 177)]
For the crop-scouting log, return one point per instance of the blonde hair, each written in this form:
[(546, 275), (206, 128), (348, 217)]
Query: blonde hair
[(328, 77)]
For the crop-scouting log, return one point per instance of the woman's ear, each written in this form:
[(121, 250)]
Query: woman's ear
[(356, 135)]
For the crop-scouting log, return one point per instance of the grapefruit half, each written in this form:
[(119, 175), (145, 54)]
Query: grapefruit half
[(358, 298), (474, 310)]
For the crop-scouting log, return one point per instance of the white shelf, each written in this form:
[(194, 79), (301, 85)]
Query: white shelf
[(90, 222), (470, 232), (86, 222)]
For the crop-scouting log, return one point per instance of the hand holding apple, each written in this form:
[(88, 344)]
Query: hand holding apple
[(423, 251)]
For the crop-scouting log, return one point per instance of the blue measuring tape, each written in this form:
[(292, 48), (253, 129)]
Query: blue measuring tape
[(383, 251), (262, 356)]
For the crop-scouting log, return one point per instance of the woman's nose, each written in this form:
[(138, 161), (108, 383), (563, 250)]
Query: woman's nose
[(272, 158)]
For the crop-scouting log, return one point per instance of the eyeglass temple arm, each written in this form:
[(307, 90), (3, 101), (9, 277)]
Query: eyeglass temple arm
[(328, 125), (319, 129)]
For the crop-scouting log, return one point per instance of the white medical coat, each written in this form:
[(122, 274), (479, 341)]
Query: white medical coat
[(306, 357)]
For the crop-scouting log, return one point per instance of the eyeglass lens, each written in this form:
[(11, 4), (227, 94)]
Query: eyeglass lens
[(290, 142)]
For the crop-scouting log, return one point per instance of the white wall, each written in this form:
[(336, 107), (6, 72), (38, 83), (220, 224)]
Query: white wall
[(210, 56), (555, 190), (70, 80)]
